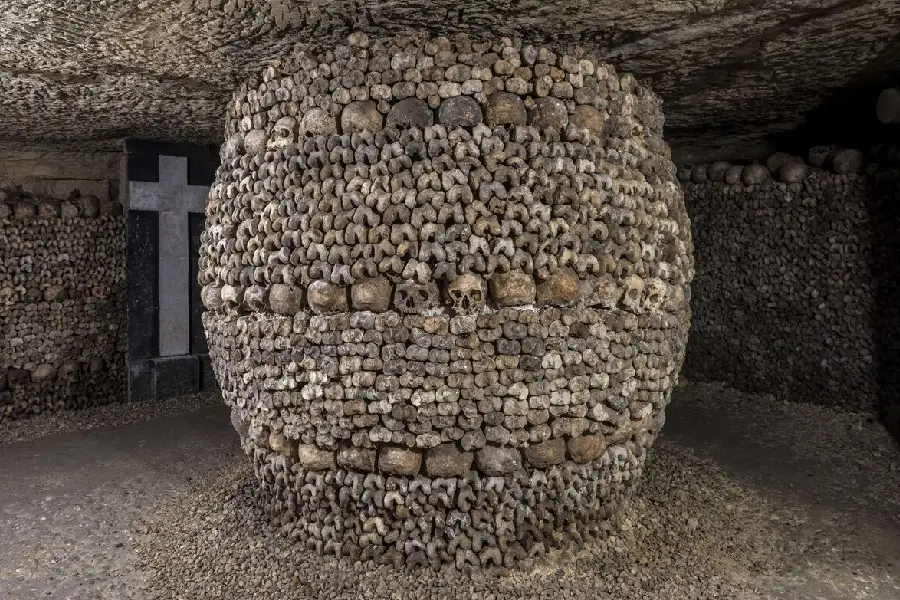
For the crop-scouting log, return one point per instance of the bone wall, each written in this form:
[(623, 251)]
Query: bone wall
[(447, 284), (794, 291), (62, 307)]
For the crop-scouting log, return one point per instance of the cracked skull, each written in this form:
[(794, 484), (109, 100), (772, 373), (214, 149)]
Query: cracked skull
[(413, 298), (68, 371), (283, 134), (466, 293), (634, 290)]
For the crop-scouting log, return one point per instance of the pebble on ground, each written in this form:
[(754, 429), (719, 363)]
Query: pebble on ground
[(690, 533)]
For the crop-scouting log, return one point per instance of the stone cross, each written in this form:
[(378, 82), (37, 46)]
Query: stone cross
[(173, 199)]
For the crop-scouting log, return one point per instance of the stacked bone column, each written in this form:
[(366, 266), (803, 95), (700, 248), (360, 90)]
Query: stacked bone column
[(448, 288), (62, 313)]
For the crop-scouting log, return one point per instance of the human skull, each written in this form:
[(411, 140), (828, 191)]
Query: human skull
[(634, 289), (256, 297), (17, 377), (43, 372), (818, 155), (211, 296), (68, 371), (414, 298), (466, 293), (113, 208), (47, 209), (68, 210), (232, 297), (548, 112), (55, 293), (284, 133), (848, 161), (716, 171), (460, 111), (361, 116), (655, 295), (23, 209), (371, 294), (101, 291), (8, 296), (515, 287), (505, 108), (675, 298), (604, 292)]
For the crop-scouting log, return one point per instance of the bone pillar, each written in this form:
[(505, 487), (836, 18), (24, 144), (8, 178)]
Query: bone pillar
[(448, 287)]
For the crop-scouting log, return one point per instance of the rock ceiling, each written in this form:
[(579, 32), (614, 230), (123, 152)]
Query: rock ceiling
[(732, 72)]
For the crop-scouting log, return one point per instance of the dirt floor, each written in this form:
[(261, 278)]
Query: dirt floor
[(745, 497)]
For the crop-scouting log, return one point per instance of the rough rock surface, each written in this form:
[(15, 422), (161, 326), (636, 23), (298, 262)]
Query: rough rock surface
[(77, 71)]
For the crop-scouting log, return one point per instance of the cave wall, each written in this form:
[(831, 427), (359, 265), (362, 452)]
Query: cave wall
[(62, 275), (796, 279), (54, 173)]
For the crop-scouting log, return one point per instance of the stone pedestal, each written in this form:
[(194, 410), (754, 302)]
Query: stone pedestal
[(448, 286)]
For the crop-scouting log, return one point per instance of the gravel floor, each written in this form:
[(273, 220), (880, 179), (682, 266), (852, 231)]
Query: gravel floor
[(70, 501), (110, 415), (691, 534), (745, 497)]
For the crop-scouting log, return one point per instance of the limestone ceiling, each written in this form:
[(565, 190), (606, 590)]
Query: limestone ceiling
[(90, 72)]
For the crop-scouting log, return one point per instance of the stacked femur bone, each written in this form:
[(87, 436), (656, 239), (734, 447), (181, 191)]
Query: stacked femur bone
[(448, 286)]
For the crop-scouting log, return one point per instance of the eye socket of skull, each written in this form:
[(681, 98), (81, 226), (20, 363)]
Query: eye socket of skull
[(633, 293)]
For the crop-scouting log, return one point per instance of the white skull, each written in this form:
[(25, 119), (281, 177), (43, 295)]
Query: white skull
[(634, 290), (283, 134), (466, 292), (232, 297), (655, 295)]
